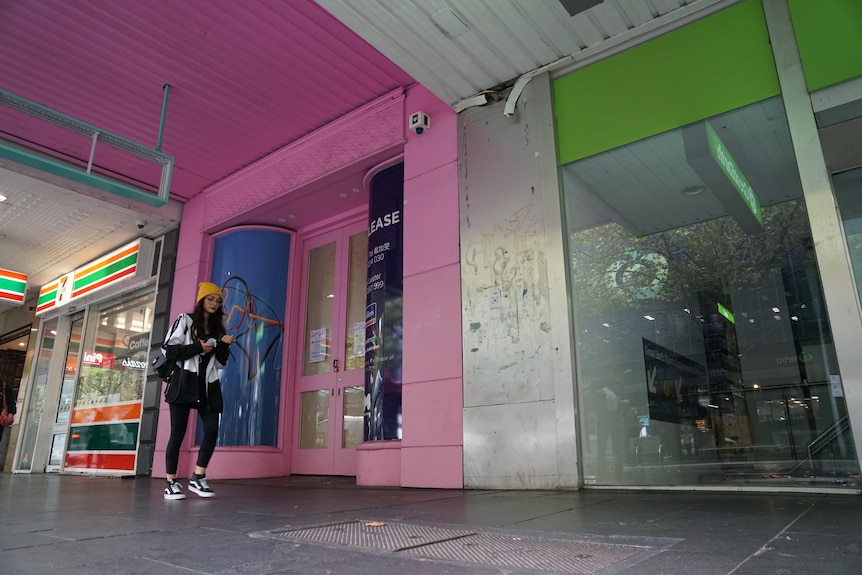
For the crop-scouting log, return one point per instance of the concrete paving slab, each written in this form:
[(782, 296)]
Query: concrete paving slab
[(100, 526)]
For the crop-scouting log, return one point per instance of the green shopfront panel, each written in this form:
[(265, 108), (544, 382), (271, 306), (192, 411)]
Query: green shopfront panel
[(829, 35), (714, 65), (703, 348)]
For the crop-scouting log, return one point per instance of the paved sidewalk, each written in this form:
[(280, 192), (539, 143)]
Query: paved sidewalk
[(317, 525)]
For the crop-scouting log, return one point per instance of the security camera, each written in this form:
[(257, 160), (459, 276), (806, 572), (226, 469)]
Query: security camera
[(140, 224), (419, 122)]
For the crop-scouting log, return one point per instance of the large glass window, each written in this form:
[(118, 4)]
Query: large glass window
[(106, 414), (848, 191), (251, 265), (704, 353)]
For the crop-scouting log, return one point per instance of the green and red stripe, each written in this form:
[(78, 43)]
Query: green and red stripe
[(100, 461), (106, 271), (13, 286), (98, 274), (47, 296)]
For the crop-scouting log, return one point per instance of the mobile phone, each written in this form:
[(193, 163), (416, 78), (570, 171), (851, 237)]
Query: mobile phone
[(212, 341)]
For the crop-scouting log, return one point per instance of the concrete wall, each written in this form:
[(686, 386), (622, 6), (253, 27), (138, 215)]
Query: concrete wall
[(19, 316), (519, 417)]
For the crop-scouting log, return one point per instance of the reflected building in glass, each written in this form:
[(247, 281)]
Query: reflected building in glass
[(697, 305)]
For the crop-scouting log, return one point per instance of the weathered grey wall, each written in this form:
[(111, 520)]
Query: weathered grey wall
[(519, 417), (19, 316)]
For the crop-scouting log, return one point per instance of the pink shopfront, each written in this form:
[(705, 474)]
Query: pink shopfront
[(339, 258)]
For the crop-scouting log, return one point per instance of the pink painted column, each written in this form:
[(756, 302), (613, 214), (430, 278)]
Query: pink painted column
[(430, 452), (433, 400)]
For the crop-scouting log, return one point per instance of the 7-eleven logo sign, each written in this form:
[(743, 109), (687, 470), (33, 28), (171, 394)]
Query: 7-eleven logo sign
[(64, 290)]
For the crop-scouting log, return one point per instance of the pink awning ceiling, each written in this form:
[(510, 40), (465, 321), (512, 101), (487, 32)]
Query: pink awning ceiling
[(247, 78)]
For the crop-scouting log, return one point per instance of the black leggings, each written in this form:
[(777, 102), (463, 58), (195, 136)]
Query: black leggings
[(179, 424)]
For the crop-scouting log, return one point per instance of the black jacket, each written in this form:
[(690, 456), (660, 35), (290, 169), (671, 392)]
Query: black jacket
[(182, 345), (11, 398)]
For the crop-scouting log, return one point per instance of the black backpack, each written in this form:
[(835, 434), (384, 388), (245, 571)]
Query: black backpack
[(162, 366)]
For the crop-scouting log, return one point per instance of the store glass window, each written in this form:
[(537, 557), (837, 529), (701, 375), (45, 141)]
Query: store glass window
[(36, 396), (704, 353), (848, 191), (106, 414)]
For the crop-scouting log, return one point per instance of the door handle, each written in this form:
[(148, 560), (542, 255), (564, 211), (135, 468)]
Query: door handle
[(335, 365)]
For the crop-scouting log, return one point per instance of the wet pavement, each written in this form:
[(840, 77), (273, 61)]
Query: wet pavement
[(318, 525)]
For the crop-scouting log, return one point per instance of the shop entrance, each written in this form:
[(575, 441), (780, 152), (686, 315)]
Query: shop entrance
[(83, 412), (13, 355), (705, 353), (60, 427), (330, 385)]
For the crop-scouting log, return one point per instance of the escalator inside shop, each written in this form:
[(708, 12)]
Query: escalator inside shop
[(705, 355)]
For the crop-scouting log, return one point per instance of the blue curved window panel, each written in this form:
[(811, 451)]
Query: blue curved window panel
[(251, 265)]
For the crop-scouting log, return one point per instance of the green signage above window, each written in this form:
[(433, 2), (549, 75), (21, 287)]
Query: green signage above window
[(713, 65), (733, 173), (725, 313)]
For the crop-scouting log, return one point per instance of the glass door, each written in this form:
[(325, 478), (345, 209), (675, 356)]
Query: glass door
[(330, 380), (32, 419), (60, 426)]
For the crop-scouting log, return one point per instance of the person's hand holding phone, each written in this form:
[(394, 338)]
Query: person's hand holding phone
[(208, 345)]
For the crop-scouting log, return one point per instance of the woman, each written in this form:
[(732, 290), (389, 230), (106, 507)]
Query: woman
[(200, 345), (8, 396)]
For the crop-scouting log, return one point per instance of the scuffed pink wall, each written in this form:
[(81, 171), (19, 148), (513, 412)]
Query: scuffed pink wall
[(375, 129), (432, 442)]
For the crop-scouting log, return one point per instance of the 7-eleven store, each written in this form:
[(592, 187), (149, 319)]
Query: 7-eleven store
[(13, 286), (85, 410)]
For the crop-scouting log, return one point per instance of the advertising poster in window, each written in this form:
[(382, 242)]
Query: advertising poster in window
[(672, 383), (383, 317)]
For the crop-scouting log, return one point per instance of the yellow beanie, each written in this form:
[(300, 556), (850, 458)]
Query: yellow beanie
[(207, 288)]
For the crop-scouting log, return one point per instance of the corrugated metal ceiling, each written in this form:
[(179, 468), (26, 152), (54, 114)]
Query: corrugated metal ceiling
[(459, 48)]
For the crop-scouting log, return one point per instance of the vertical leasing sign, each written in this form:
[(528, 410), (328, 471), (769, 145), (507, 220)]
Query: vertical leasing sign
[(13, 286), (120, 264), (383, 306)]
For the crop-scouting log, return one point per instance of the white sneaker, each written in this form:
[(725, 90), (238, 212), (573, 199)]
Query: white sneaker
[(174, 490), (201, 487)]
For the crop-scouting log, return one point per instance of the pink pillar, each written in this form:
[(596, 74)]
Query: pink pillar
[(430, 451)]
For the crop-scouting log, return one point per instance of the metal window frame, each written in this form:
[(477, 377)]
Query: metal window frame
[(76, 173)]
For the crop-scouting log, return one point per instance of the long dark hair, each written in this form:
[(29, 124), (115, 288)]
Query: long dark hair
[(212, 326)]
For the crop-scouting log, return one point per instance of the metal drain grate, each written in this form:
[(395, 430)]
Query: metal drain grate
[(388, 536), (530, 553), (561, 556)]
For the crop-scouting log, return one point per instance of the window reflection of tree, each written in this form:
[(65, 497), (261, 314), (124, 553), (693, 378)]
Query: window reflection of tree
[(102, 385), (707, 255), (616, 286)]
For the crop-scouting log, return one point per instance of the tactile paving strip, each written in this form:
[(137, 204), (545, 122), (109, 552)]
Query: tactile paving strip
[(561, 556)]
